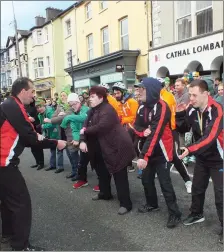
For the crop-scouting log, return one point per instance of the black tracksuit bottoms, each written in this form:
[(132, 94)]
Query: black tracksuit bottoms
[(16, 210), (202, 172), (38, 155), (148, 182), (121, 183)]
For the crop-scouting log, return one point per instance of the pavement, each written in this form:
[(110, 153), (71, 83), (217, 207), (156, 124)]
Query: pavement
[(67, 219)]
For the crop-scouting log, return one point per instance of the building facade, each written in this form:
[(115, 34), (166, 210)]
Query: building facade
[(191, 38), (111, 44)]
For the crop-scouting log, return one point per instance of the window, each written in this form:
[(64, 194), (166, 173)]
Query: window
[(38, 67), (46, 34), (16, 53), (17, 72), (68, 27), (68, 55), (184, 19), (39, 37), (25, 45), (124, 34), (103, 5), (8, 57), (105, 40), (90, 46), (204, 17), (88, 11), (48, 65), (2, 60)]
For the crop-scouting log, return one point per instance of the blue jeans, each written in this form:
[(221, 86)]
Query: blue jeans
[(139, 172), (73, 156), (53, 158)]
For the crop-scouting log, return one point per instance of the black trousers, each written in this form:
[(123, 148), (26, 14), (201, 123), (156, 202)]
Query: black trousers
[(178, 163), (121, 182), (83, 163), (148, 182), (202, 172), (38, 155), (16, 211)]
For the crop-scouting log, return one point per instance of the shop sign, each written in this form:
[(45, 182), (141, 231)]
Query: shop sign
[(82, 83), (109, 78), (43, 86), (195, 49)]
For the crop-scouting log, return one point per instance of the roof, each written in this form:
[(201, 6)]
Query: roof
[(24, 33)]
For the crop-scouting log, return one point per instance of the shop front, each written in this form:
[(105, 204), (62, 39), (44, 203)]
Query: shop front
[(105, 69), (44, 87), (203, 54)]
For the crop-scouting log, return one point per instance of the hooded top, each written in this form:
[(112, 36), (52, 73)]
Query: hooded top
[(153, 88)]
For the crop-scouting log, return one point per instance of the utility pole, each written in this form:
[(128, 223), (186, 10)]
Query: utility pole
[(17, 41), (71, 60)]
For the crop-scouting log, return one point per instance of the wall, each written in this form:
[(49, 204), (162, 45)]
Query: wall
[(137, 25), (217, 15)]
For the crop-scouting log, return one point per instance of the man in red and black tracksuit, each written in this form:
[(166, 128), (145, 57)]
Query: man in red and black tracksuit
[(204, 117), (17, 133), (156, 149)]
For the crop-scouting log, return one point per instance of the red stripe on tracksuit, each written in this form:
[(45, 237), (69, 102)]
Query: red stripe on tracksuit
[(156, 135), (212, 133), (8, 137), (165, 138)]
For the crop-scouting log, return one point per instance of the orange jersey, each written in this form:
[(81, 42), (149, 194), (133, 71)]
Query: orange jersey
[(128, 111), (171, 102), (114, 103)]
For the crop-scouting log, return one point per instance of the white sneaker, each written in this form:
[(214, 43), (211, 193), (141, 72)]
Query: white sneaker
[(188, 185)]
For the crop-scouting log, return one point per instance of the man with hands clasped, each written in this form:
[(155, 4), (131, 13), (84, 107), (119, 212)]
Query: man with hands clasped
[(152, 125)]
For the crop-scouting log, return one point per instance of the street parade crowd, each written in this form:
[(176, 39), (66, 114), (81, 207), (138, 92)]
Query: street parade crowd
[(160, 125)]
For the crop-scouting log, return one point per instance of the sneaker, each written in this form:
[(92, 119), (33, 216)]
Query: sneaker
[(139, 176), (188, 186), (131, 168), (147, 208), (123, 210), (193, 218), (80, 184), (29, 248), (34, 166), (59, 170), (40, 167), (173, 220), (96, 188), (50, 168)]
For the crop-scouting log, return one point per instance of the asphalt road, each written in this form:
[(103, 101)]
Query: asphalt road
[(67, 219)]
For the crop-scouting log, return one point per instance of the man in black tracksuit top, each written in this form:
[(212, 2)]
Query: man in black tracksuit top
[(17, 133), (156, 148), (204, 117)]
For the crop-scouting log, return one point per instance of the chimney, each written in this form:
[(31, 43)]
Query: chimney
[(39, 20), (52, 13)]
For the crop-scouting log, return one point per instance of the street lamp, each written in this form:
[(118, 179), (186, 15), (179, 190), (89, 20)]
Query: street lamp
[(71, 60)]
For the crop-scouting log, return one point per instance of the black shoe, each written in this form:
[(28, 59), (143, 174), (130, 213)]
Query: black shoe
[(34, 166), (147, 208), (139, 176), (101, 197), (50, 168), (173, 220), (39, 167), (75, 178), (70, 175), (29, 248), (58, 170), (193, 218), (221, 236), (5, 239)]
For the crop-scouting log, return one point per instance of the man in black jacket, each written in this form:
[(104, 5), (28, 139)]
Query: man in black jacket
[(156, 149), (204, 117), (17, 132), (37, 152)]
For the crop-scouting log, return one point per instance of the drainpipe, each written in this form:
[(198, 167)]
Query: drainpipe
[(148, 40), (76, 39), (53, 49)]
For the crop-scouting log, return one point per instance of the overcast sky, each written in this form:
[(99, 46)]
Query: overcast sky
[(25, 12)]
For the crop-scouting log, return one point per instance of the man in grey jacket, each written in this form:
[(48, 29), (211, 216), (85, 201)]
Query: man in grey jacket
[(181, 94)]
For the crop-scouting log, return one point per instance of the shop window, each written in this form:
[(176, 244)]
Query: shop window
[(105, 40), (124, 34), (183, 13), (204, 17)]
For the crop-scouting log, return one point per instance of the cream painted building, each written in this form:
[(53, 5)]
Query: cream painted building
[(108, 35)]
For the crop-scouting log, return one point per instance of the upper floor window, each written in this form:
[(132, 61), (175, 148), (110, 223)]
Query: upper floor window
[(68, 27), (46, 34), (124, 34), (7, 57), (39, 37), (2, 60), (88, 11), (38, 67), (103, 5), (184, 19), (204, 17), (105, 40), (90, 46)]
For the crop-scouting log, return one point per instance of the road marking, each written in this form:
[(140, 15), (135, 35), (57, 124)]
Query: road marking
[(175, 172)]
